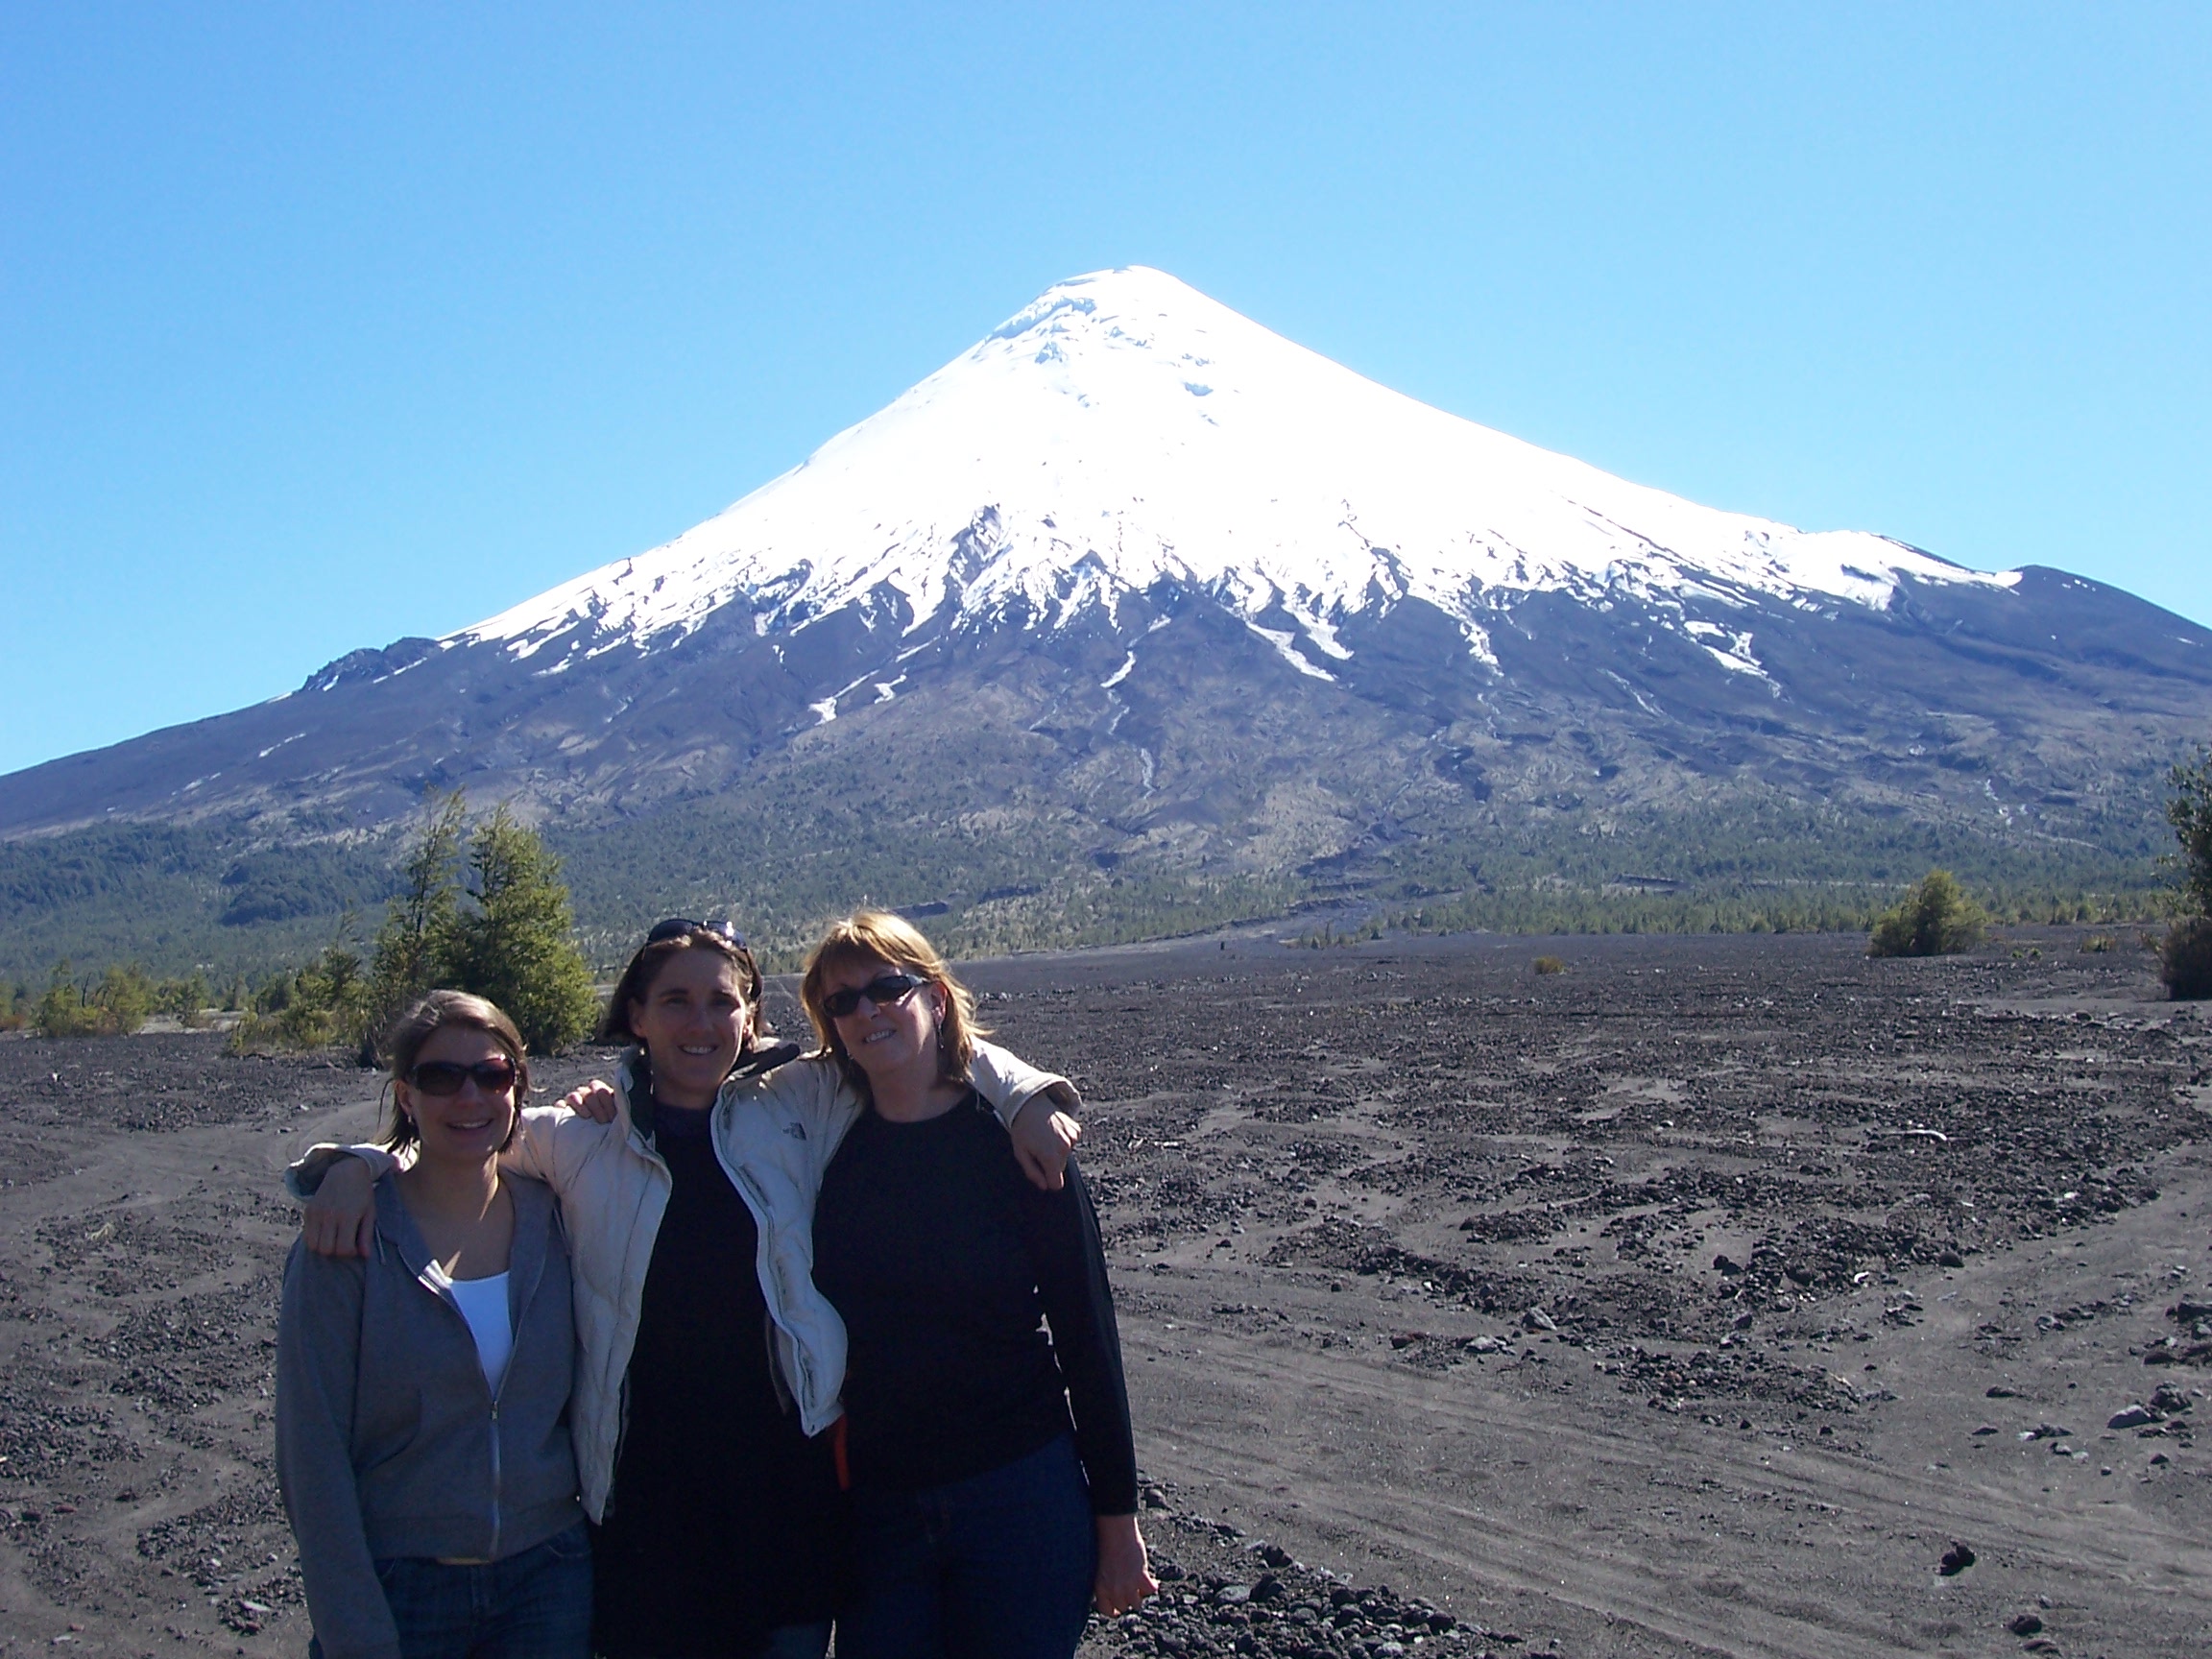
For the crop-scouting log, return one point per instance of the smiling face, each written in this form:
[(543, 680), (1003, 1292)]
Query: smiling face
[(889, 1037), (469, 1128), (692, 1019)]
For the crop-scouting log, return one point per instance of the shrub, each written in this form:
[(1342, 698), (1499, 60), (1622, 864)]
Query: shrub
[(322, 1003), (116, 1006), (183, 1001), (63, 1011), (2098, 944), (2185, 959), (1935, 918), (1549, 965)]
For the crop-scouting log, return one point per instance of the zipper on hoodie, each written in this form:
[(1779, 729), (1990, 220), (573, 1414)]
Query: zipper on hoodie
[(499, 1466), (498, 1472), (493, 1551)]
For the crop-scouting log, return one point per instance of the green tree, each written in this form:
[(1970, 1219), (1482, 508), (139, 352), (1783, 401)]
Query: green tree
[(2185, 954), (416, 943), (514, 945), (2190, 811), (1935, 918)]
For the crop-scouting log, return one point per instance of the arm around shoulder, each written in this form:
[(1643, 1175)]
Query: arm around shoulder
[(303, 1176), (1007, 1083), (552, 1142), (1034, 1106)]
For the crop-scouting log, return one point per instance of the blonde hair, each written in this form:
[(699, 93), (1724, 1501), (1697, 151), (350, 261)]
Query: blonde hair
[(880, 936)]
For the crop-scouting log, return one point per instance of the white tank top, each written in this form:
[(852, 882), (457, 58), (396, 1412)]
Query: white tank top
[(483, 1305)]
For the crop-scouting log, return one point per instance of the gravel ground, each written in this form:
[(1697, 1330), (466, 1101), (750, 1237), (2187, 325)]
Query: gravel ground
[(1700, 1296)]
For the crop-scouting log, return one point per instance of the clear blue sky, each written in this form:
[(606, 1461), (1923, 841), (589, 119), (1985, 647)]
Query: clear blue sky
[(324, 324)]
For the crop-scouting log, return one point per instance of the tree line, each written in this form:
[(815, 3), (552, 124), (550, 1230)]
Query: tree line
[(479, 908), (485, 910)]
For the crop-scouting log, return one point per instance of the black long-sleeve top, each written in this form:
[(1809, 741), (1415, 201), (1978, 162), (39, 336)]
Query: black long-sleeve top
[(942, 1257), (725, 1521)]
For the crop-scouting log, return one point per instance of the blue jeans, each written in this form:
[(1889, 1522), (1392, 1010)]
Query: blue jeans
[(998, 1566), (534, 1605)]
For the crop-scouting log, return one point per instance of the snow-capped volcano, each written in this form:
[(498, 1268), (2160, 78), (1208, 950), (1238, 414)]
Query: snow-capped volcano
[(1123, 429), (1135, 600)]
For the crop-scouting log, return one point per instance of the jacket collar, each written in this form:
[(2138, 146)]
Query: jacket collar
[(633, 1082), (535, 1220), (634, 1092)]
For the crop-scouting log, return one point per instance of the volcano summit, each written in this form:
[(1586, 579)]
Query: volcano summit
[(1135, 594)]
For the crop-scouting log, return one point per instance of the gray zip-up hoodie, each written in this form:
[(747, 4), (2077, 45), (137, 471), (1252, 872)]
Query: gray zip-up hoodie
[(389, 1442)]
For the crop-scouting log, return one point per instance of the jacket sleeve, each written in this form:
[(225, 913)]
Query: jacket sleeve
[(304, 1178), (808, 1096), (318, 1359), (1008, 1083), (1061, 1230), (551, 1143)]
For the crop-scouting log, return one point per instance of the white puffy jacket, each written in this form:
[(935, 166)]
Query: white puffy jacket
[(774, 1136)]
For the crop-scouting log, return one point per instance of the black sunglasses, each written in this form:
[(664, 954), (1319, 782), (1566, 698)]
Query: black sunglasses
[(882, 991), (443, 1077), (676, 926)]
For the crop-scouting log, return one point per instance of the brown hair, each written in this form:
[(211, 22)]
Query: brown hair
[(880, 936), (637, 981), (403, 1039)]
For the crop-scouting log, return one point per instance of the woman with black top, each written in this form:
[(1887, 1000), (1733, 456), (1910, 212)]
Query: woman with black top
[(986, 1520), (724, 1517), (708, 1364)]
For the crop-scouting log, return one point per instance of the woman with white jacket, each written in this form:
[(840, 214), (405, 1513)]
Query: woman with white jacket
[(709, 1366)]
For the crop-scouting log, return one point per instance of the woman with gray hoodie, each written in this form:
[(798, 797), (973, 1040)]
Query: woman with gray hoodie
[(423, 1435)]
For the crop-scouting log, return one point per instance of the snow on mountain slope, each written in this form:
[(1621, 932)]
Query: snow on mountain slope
[(1123, 428)]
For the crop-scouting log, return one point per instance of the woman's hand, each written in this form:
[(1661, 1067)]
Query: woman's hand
[(595, 1100), (341, 1218), (1044, 1138), (1124, 1573)]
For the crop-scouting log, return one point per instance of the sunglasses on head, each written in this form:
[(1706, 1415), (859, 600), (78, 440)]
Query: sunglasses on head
[(882, 991), (676, 926), (445, 1076)]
